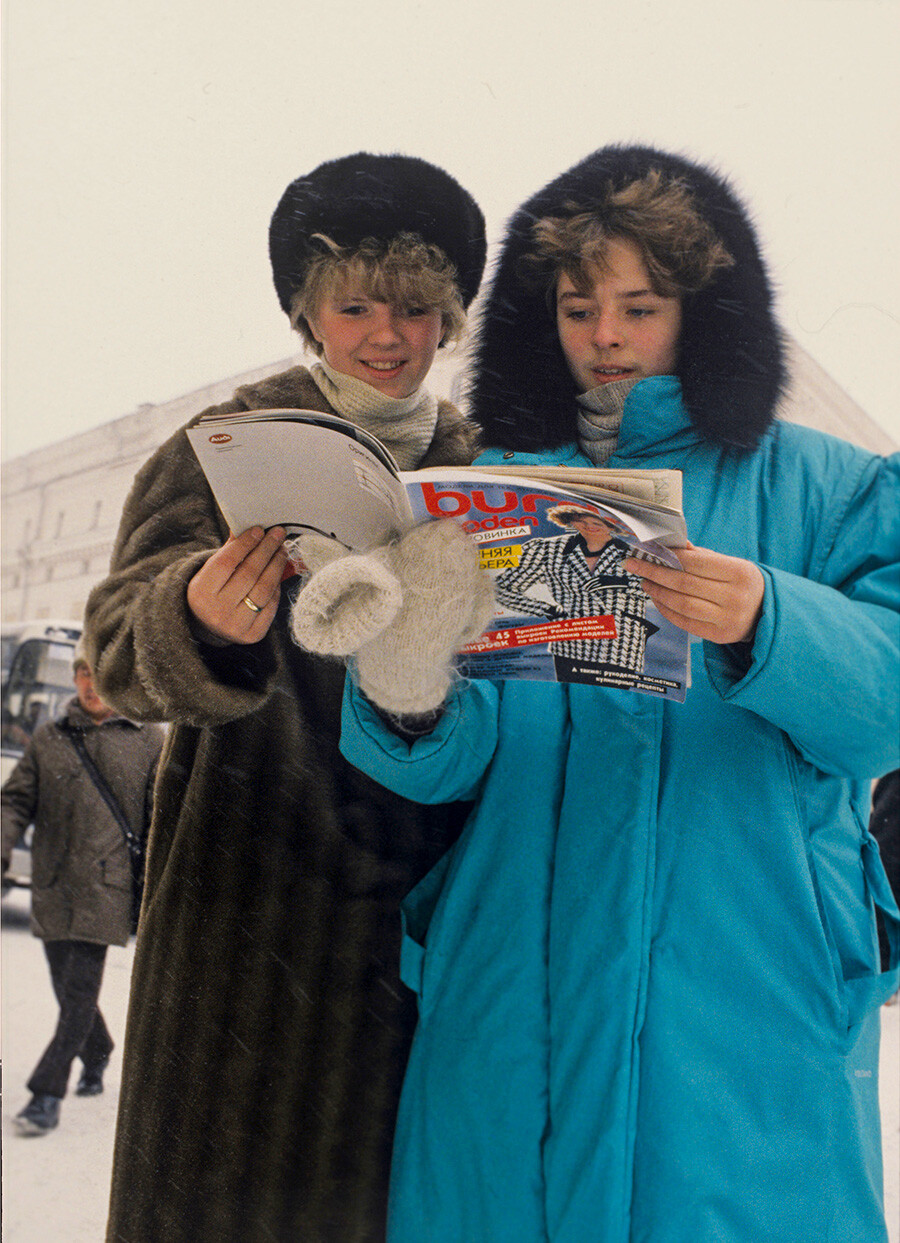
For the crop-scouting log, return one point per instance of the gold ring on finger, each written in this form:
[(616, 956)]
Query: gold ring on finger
[(254, 608)]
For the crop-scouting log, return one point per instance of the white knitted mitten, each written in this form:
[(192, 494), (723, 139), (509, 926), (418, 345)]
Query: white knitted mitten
[(441, 599), (447, 601), (349, 599)]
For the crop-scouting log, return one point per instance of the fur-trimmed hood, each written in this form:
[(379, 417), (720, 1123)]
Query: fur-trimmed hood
[(731, 364)]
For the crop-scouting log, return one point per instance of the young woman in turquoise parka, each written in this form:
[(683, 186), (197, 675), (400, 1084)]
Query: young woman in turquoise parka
[(647, 973)]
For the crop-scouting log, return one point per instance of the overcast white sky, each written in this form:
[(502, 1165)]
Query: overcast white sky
[(146, 145)]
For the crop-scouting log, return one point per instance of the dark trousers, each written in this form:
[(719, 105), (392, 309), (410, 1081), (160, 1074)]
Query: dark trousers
[(76, 969)]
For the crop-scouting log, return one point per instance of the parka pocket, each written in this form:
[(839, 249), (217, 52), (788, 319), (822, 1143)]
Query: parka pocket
[(849, 926), (869, 990), (850, 883)]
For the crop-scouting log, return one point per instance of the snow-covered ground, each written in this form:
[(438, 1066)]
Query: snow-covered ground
[(55, 1188)]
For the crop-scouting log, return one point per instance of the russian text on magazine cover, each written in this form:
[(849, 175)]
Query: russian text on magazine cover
[(566, 608)]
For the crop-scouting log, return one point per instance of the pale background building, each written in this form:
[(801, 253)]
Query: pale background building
[(61, 504)]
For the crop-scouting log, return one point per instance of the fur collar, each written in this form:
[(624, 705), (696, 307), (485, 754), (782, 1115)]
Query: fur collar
[(731, 366)]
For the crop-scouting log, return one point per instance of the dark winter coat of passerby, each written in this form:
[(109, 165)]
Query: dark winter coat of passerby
[(81, 880), (268, 1029)]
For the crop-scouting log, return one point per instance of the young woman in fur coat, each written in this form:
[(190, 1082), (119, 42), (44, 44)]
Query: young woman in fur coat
[(268, 1029), (647, 972)]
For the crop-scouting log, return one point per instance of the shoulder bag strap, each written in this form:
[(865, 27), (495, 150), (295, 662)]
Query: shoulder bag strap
[(132, 841)]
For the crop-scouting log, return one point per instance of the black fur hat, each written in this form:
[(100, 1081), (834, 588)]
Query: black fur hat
[(731, 355), (363, 195)]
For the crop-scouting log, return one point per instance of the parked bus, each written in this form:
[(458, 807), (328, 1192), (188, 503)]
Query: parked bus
[(36, 683)]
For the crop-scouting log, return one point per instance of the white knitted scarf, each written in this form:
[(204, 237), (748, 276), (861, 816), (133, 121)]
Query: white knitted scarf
[(405, 425), (599, 418)]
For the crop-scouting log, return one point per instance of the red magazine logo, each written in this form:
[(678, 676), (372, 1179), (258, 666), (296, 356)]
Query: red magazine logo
[(220, 438)]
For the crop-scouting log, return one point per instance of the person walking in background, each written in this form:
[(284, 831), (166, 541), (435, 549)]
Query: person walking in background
[(82, 882), (268, 1029)]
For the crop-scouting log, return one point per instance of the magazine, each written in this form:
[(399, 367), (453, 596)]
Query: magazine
[(553, 539)]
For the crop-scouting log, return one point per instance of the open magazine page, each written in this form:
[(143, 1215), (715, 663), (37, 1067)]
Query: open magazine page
[(651, 487), (566, 609), (302, 470)]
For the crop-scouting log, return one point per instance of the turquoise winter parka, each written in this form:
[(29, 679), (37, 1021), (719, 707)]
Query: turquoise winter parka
[(647, 972)]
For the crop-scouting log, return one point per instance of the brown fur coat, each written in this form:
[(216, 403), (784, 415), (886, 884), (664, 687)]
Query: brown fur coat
[(268, 1029)]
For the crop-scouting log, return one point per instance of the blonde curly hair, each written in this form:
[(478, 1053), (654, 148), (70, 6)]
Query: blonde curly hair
[(404, 272)]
